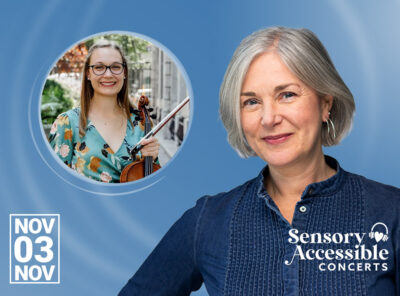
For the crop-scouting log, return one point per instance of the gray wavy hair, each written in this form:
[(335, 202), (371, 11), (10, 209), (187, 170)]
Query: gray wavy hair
[(303, 53)]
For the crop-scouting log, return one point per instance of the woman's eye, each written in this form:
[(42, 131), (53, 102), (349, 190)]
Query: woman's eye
[(250, 102), (116, 67), (99, 67), (288, 95)]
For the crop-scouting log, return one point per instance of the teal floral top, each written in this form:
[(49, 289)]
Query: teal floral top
[(91, 156)]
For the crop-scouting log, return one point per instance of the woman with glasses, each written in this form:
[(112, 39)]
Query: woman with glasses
[(95, 138)]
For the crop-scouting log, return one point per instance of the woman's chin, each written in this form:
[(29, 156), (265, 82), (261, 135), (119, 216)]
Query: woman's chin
[(107, 93), (279, 160)]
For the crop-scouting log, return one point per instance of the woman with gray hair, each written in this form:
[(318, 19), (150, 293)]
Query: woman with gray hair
[(303, 226)]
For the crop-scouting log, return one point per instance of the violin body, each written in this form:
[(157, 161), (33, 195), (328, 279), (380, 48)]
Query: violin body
[(135, 171)]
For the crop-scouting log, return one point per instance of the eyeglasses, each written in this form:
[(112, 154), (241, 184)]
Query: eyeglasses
[(100, 69)]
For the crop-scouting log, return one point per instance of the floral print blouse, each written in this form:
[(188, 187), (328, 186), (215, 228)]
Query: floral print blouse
[(91, 156)]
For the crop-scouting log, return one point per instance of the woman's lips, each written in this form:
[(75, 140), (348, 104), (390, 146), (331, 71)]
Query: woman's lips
[(277, 139), (108, 84)]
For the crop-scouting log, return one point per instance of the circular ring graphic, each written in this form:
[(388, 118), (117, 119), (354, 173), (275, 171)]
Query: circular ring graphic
[(68, 175)]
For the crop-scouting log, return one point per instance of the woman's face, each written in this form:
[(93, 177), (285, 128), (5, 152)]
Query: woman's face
[(281, 116), (107, 84)]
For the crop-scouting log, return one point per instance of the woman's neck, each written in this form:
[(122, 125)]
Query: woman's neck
[(104, 105), (290, 182)]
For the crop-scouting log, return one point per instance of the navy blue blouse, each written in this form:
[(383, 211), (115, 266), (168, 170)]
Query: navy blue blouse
[(344, 240)]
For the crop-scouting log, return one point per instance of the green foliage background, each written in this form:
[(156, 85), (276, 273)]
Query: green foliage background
[(132, 47), (55, 100)]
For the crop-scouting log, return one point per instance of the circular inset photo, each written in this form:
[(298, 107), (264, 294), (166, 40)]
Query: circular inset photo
[(115, 108)]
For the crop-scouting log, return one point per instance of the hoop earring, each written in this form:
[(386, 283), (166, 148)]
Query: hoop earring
[(330, 122)]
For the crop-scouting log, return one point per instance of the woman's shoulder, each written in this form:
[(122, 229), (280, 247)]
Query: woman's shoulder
[(71, 115), (377, 189), (381, 203), (223, 201), (212, 213)]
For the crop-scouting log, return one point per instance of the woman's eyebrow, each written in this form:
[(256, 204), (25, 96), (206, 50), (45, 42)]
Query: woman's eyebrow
[(248, 94), (100, 62), (283, 86), (277, 89)]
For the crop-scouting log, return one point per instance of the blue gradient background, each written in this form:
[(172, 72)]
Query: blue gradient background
[(106, 233)]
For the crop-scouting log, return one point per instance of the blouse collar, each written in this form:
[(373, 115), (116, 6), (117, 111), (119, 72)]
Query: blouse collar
[(323, 188)]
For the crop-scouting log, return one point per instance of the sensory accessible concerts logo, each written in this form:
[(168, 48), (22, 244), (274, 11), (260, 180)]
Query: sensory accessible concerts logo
[(34, 248), (356, 256)]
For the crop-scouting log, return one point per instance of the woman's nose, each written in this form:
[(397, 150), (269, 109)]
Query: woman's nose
[(108, 72), (270, 115)]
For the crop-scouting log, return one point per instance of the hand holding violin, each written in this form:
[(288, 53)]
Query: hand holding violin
[(151, 147)]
